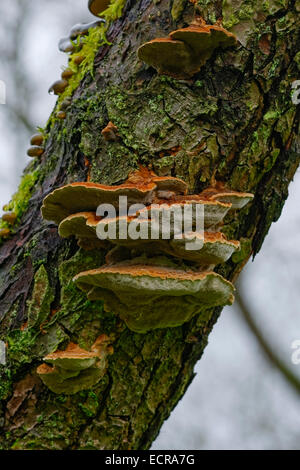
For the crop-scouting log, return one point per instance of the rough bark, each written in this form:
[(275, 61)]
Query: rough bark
[(235, 122)]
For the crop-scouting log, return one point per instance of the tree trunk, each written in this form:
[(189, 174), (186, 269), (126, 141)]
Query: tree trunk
[(234, 121)]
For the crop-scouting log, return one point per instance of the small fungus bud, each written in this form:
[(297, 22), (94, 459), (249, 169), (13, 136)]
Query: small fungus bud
[(67, 74), (58, 87), (61, 115), (4, 232), (37, 139), (9, 217), (79, 59), (35, 151)]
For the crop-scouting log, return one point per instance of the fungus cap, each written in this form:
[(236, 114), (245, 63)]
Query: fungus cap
[(66, 74), (58, 87), (214, 211), (219, 193), (35, 151), (169, 57), (69, 382), (78, 59), (73, 358), (82, 225), (186, 50), (140, 187), (216, 248), (61, 115), (98, 6), (75, 369), (4, 232), (9, 217), (209, 248), (170, 184), (37, 139), (80, 197), (204, 39), (140, 293)]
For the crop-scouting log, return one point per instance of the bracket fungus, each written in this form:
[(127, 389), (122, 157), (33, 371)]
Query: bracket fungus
[(83, 226), (204, 38), (186, 50), (214, 249), (219, 193), (214, 211), (139, 294), (75, 369), (169, 57), (211, 248), (144, 273), (80, 197), (98, 6), (141, 186)]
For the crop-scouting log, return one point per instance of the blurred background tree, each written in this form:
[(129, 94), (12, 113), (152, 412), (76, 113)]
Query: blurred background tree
[(244, 402)]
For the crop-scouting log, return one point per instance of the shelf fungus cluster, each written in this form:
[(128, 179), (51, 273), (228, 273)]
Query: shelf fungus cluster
[(145, 272), (37, 149), (75, 369), (186, 50)]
